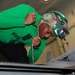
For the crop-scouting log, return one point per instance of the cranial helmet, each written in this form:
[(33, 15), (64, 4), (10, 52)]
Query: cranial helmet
[(58, 22)]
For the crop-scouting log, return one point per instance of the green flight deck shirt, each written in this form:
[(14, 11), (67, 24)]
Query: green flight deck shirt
[(13, 29)]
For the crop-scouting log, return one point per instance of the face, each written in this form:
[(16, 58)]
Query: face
[(45, 30)]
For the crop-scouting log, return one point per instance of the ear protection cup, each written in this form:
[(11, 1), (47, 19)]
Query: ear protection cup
[(47, 16)]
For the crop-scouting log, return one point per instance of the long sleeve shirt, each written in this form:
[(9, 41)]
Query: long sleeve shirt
[(13, 29)]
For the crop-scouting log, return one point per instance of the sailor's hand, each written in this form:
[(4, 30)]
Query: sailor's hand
[(36, 41), (31, 17)]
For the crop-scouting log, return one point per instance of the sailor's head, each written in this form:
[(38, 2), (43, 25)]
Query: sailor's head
[(53, 23)]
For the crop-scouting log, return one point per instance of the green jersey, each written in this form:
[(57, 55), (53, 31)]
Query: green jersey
[(13, 29)]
